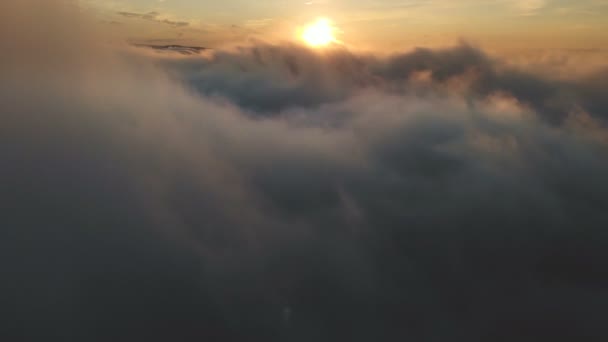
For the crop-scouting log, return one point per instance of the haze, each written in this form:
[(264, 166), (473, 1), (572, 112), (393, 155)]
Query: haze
[(362, 171)]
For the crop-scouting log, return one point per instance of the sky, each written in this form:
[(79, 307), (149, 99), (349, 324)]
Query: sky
[(275, 190), (380, 24)]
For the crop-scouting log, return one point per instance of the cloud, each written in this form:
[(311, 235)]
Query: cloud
[(268, 79), (153, 16), (530, 7), (430, 195)]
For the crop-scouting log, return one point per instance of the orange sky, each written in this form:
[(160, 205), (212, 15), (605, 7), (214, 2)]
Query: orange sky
[(376, 25)]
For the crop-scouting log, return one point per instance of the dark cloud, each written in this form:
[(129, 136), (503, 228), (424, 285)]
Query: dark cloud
[(182, 49), (273, 193), (272, 78)]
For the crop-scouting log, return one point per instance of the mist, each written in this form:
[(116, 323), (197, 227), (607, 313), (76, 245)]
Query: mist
[(271, 192)]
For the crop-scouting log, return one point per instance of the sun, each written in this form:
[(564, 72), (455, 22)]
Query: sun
[(319, 33)]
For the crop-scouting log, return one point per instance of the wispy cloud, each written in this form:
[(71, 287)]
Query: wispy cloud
[(530, 7), (153, 16)]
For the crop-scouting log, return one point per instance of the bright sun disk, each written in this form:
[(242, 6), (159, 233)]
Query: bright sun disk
[(319, 33)]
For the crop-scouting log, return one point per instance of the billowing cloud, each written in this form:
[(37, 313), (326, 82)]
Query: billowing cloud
[(269, 78), (275, 193)]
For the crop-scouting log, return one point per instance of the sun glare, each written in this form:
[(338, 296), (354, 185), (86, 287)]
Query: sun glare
[(320, 33)]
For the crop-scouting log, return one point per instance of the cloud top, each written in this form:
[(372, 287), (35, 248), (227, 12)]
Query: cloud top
[(275, 193)]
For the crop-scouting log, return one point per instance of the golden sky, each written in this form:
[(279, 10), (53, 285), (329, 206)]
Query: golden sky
[(365, 24)]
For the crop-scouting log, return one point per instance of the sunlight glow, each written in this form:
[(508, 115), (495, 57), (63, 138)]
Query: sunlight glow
[(320, 33)]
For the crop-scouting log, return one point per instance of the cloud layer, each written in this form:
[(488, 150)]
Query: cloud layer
[(273, 193)]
